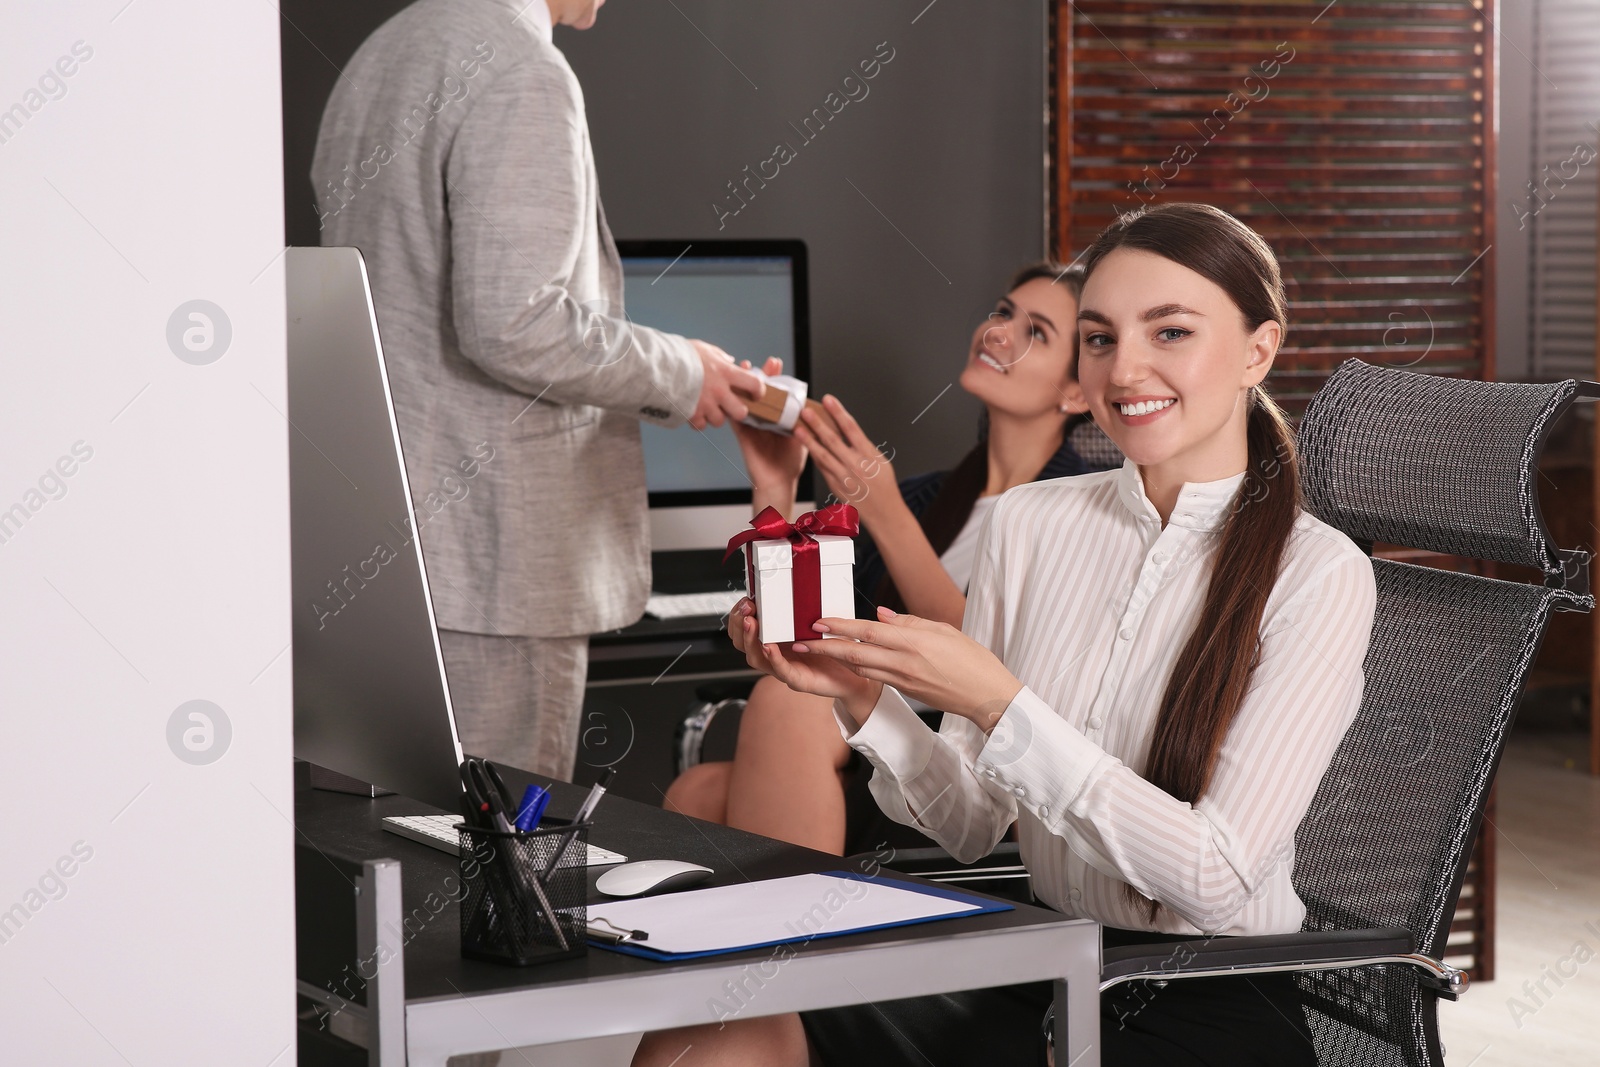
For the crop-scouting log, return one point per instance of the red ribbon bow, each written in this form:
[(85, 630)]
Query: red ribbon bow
[(769, 525)]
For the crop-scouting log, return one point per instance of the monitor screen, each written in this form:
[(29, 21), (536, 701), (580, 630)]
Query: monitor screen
[(746, 297)]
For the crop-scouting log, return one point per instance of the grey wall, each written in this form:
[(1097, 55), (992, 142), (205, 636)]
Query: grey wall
[(916, 200)]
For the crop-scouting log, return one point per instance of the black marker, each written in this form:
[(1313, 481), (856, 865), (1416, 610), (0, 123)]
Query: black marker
[(586, 810)]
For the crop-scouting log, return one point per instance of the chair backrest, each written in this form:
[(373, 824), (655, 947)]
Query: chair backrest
[(1094, 447), (1446, 465)]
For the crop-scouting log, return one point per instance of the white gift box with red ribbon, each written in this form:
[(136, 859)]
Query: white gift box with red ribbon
[(770, 571), (799, 572)]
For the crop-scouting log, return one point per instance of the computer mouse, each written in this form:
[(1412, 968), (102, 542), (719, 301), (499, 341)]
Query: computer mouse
[(643, 877)]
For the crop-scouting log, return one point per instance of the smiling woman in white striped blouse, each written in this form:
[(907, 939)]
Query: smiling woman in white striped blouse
[(1155, 667)]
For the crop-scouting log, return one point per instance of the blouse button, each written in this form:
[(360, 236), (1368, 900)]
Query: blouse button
[(1075, 895), (1019, 791), (1044, 811), (1159, 558), (1126, 633), (1095, 722)]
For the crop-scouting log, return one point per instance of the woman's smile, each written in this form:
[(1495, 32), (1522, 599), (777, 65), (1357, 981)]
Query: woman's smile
[(1139, 410), (988, 360)]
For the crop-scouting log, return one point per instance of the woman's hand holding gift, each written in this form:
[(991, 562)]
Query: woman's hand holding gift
[(773, 460), (802, 673), (931, 661)]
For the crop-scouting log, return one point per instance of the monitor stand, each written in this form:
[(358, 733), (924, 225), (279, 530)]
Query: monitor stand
[(334, 782)]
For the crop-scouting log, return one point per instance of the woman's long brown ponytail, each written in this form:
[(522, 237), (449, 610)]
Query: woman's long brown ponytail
[(1212, 674), (1213, 671)]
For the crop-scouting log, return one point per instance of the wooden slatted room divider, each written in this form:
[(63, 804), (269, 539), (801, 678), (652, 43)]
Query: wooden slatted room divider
[(1356, 136)]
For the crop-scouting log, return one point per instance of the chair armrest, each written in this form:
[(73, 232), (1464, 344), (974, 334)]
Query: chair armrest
[(1000, 873), (1311, 950), (1175, 959), (935, 862), (1308, 950)]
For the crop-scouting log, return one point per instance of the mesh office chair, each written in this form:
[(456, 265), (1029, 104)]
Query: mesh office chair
[(1446, 465)]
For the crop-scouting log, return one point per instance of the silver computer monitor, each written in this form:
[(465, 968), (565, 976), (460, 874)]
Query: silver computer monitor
[(749, 297), (370, 695)]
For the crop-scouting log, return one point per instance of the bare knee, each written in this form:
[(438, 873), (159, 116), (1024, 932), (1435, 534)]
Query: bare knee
[(771, 1041), (777, 720), (701, 792)]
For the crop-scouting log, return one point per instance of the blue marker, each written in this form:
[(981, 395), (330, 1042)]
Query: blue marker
[(534, 799)]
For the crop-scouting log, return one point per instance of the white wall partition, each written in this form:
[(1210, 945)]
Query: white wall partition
[(146, 865)]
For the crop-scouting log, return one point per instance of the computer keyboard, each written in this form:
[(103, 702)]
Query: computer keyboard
[(685, 605), (439, 831)]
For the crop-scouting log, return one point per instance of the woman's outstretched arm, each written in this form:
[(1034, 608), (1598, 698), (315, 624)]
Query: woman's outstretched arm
[(772, 460)]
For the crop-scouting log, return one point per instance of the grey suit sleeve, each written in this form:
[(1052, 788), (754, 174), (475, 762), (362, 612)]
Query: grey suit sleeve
[(518, 210)]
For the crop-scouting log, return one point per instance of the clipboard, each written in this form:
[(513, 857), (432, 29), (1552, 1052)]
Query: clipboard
[(751, 915)]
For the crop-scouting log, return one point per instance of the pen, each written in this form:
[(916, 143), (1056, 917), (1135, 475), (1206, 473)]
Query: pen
[(534, 800), (586, 810), (594, 796)]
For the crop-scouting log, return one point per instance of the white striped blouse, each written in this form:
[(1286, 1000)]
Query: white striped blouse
[(1088, 600)]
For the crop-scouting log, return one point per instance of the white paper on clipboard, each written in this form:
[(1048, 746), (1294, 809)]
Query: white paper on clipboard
[(731, 917)]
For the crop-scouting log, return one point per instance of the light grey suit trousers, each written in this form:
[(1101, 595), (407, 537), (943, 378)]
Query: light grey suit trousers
[(518, 699)]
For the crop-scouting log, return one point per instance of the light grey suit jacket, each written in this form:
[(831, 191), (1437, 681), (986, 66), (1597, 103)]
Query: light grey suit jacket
[(455, 154)]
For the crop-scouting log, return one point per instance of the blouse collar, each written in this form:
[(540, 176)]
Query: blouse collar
[(1201, 505)]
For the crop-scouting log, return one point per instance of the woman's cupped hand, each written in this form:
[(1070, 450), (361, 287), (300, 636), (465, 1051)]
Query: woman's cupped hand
[(856, 470), (802, 673), (929, 661)]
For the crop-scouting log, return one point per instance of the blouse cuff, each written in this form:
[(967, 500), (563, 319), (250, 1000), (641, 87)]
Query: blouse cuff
[(894, 736), (1039, 758)]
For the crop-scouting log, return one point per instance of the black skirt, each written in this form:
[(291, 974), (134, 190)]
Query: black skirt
[(1254, 1021)]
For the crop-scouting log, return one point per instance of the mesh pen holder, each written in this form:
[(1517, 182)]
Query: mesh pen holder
[(517, 909)]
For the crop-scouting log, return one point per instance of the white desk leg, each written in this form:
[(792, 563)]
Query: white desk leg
[(379, 912), (1078, 1036)]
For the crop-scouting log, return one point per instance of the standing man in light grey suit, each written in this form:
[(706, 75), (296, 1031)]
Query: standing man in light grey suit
[(455, 154)]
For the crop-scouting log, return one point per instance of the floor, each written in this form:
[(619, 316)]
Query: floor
[(1549, 922), (1548, 914)]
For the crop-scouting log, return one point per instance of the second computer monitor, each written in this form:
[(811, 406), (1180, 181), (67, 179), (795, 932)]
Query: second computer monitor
[(746, 297)]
